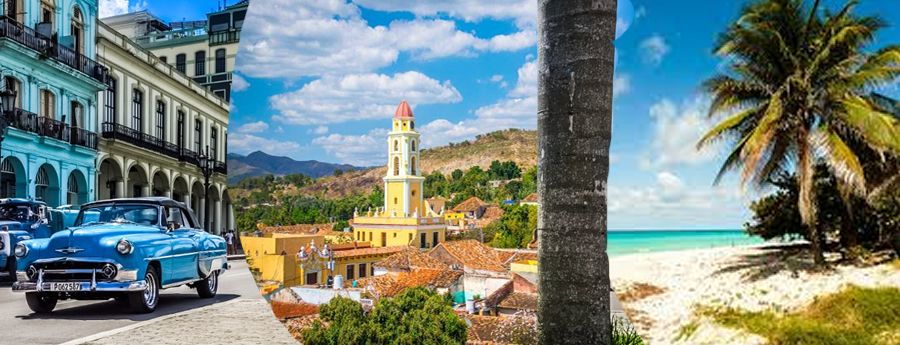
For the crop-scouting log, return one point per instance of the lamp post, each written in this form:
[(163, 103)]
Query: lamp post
[(7, 106), (206, 167)]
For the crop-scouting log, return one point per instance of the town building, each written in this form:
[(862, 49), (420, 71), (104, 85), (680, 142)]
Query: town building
[(405, 219), (159, 129), (203, 50), (47, 61)]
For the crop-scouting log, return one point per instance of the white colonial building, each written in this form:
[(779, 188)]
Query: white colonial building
[(156, 124)]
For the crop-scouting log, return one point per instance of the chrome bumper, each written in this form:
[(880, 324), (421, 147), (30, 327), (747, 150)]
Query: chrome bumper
[(23, 284)]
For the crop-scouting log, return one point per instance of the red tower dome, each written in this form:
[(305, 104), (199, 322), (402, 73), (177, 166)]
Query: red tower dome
[(403, 111)]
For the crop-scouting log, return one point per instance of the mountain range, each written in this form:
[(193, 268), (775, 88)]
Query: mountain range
[(260, 164)]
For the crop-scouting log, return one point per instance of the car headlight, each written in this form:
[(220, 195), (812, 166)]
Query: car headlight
[(124, 247), (2, 245), (21, 250)]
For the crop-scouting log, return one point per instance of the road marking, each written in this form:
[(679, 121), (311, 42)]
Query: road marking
[(105, 334)]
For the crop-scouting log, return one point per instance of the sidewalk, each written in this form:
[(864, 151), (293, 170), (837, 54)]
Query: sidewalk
[(239, 321)]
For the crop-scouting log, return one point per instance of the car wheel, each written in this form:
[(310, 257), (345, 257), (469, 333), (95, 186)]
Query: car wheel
[(41, 303), (10, 269), (143, 302), (208, 287)]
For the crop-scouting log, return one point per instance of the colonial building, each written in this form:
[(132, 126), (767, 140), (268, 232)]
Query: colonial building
[(157, 126), (406, 219), (47, 60), (204, 50)]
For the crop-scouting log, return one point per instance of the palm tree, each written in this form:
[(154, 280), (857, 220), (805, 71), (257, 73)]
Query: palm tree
[(575, 50), (794, 95)]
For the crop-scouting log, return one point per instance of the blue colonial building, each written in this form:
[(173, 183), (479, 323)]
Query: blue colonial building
[(47, 52)]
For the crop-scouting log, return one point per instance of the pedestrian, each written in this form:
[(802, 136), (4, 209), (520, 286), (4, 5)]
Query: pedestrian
[(229, 240)]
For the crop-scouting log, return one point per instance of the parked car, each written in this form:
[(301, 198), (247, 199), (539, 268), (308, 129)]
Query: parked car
[(126, 249), (20, 220)]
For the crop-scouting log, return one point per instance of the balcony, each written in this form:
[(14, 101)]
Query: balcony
[(224, 37), (48, 48), (146, 141), (213, 78), (50, 128)]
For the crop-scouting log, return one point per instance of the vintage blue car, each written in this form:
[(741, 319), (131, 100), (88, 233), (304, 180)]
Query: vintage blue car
[(126, 249), (20, 220)]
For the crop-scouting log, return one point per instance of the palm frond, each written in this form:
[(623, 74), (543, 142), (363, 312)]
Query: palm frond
[(841, 160), (761, 136), (729, 124), (878, 128)]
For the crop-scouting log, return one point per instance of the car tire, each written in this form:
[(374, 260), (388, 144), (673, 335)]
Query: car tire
[(208, 287), (10, 269), (40, 302), (143, 302)]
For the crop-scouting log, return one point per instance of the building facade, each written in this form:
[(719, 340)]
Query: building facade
[(156, 126), (204, 50), (47, 59), (406, 219)]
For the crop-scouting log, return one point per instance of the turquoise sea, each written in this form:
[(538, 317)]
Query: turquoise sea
[(621, 242)]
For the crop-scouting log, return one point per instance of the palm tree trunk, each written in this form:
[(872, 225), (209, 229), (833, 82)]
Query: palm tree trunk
[(574, 124), (849, 233), (806, 202)]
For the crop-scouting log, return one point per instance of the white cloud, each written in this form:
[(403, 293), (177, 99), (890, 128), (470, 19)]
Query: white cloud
[(110, 8), (359, 96), (319, 130), (654, 49), (315, 38), (523, 12), (238, 83), (676, 204), (140, 5), (253, 127), (621, 84), (245, 143), (361, 150), (640, 12), (677, 129), (496, 78)]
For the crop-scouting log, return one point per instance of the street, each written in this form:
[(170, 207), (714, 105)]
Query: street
[(77, 319)]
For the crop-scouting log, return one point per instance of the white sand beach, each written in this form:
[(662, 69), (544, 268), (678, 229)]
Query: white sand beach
[(752, 278)]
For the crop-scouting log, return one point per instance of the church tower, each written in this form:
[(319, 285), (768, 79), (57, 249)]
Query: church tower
[(403, 182)]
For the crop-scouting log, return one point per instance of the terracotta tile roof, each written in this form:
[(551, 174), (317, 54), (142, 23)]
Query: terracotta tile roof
[(482, 329), (510, 256), (470, 205), (366, 251), (493, 211), (410, 258), (498, 295), (437, 203), (533, 197), (388, 285), (474, 254), (520, 301), (299, 229)]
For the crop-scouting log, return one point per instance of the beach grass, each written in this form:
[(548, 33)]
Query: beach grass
[(856, 315)]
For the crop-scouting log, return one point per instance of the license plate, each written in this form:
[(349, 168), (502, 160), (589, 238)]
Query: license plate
[(65, 287)]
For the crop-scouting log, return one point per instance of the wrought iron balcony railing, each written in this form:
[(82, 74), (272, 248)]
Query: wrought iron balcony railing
[(146, 141), (48, 48), (224, 37), (50, 128)]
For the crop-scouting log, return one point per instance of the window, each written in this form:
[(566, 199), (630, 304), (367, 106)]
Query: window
[(434, 239), (412, 165), (77, 115), (198, 132), (220, 61), (362, 270), (12, 84), (396, 166), (48, 12), (77, 28), (109, 106), (161, 120), (48, 104), (137, 110), (383, 242), (200, 63), (7, 179), (423, 243), (42, 183), (350, 273), (164, 59), (412, 146), (239, 19), (213, 143), (181, 63), (396, 146), (180, 135)]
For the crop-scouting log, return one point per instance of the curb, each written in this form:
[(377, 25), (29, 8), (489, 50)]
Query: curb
[(237, 257), (112, 332)]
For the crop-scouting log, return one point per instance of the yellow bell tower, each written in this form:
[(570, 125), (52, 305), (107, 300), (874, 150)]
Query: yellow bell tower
[(403, 183)]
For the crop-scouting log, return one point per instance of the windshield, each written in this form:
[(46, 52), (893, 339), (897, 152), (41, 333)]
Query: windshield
[(119, 213), (18, 213)]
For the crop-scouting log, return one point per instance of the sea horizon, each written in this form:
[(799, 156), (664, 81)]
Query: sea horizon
[(623, 242)]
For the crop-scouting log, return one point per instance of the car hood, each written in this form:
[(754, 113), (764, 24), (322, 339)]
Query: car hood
[(14, 225), (98, 240)]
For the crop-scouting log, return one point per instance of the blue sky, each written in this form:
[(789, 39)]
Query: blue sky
[(320, 80)]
